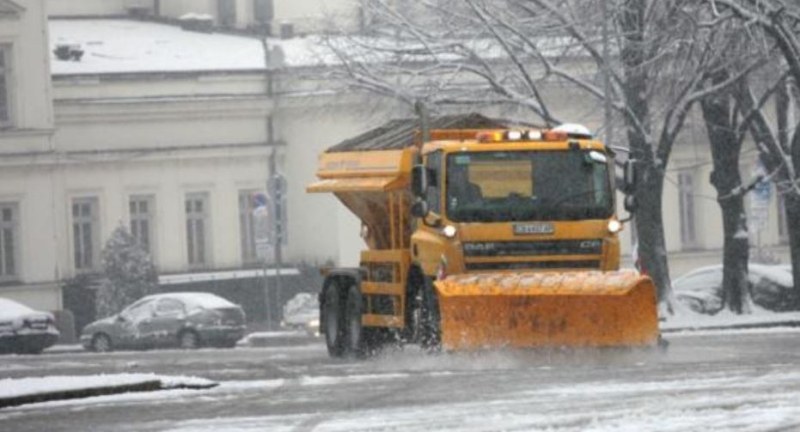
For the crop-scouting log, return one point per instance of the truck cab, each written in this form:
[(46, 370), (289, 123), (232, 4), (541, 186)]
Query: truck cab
[(511, 200)]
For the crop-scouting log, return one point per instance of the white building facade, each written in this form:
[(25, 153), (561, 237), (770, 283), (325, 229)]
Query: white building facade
[(166, 132), (29, 269)]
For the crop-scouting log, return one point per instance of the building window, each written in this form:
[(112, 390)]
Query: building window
[(142, 211), (85, 233), (5, 85), (686, 204), (263, 11), (197, 229), (9, 240), (226, 10), (248, 201), (783, 229)]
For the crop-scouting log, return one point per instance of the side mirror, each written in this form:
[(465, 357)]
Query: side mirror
[(419, 181), (120, 318), (419, 208), (630, 176), (630, 203)]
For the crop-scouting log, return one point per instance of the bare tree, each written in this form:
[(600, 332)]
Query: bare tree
[(524, 53), (778, 143)]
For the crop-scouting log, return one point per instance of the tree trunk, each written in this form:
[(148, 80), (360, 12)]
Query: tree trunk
[(725, 152), (791, 195), (649, 217), (792, 203), (650, 229)]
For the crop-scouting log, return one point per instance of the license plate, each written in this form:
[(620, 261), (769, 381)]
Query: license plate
[(534, 228)]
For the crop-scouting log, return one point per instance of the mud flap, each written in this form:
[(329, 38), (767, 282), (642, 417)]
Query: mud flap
[(526, 310)]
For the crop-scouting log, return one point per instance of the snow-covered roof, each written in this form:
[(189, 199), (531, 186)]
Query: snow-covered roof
[(196, 299), (126, 46), (10, 309), (183, 278), (129, 46)]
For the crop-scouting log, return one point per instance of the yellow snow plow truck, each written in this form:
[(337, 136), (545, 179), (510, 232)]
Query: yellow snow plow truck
[(481, 237)]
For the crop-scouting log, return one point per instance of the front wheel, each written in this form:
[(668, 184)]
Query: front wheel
[(101, 343), (429, 331)]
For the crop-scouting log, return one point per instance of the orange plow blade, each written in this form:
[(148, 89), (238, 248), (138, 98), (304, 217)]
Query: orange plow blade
[(528, 310)]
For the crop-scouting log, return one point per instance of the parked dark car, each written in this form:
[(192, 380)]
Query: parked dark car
[(185, 320), (771, 288), (24, 330)]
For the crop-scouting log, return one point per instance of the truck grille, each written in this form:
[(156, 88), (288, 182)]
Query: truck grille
[(533, 265), (547, 247)]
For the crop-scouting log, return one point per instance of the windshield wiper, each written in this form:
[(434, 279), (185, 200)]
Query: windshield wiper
[(570, 197)]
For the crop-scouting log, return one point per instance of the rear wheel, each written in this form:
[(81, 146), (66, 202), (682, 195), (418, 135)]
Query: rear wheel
[(101, 343), (356, 340), (333, 320), (188, 339)]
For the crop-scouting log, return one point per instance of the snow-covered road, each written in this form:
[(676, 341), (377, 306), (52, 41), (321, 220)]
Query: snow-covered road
[(742, 381)]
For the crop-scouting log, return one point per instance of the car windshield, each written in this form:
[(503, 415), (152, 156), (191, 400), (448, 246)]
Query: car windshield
[(501, 186), (138, 310)]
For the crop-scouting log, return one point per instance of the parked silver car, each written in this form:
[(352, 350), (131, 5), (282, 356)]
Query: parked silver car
[(302, 312), (771, 287), (24, 330), (186, 320)]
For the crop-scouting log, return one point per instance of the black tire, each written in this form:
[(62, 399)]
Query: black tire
[(333, 320), (101, 343), (429, 332), (355, 336), (188, 339)]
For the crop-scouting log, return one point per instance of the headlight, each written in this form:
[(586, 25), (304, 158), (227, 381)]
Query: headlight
[(614, 226), (449, 231), (313, 323)]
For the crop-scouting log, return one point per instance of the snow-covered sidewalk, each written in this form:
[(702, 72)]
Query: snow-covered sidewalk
[(19, 391), (688, 321)]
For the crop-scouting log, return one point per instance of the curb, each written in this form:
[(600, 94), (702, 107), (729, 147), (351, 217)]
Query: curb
[(277, 341), (743, 326)]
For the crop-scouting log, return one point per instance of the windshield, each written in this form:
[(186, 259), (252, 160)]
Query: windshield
[(524, 186)]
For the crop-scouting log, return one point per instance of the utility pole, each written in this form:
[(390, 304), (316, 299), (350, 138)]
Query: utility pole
[(270, 132), (277, 188), (276, 184)]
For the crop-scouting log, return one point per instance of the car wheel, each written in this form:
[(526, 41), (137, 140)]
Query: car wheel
[(101, 343), (188, 339)]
